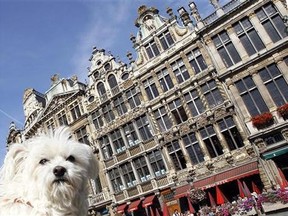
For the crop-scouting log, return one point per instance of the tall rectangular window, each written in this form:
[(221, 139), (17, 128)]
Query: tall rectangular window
[(193, 148), (157, 163), (152, 49), (142, 169), (230, 133), (128, 174), (165, 80), (275, 83), (75, 111), (97, 119), (272, 22), (150, 88), (178, 111), (226, 49), (166, 40), (118, 141), (162, 119), (180, 70), (196, 60), (251, 96), (176, 155), (108, 113), (248, 36), (82, 135), (131, 134), (211, 141), (212, 93), (133, 98), (120, 106), (115, 179), (62, 118), (194, 102), (106, 147), (144, 128)]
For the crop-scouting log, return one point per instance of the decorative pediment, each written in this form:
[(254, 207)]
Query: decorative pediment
[(103, 63), (33, 101), (148, 21), (56, 102)]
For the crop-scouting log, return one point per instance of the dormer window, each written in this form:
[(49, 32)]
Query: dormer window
[(152, 49), (125, 76), (101, 89), (107, 67), (91, 99), (96, 75), (98, 63), (112, 81), (166, 40)]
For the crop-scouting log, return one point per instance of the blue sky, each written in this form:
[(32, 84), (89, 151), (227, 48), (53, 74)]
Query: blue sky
[(39, 38)]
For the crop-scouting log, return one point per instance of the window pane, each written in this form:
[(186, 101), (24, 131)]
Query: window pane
[(233, 53), (271, 31)]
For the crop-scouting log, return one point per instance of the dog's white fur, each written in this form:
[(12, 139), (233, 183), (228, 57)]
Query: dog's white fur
[(29, 185)]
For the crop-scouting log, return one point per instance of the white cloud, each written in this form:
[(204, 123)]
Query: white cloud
[(102, 30)]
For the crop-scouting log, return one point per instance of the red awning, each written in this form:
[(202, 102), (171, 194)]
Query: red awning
[(182, 191), (227, 176), (148, 201), (134, 205), (120, 209)]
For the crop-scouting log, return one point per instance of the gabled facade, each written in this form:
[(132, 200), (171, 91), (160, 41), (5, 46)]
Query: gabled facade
[(204, 104)]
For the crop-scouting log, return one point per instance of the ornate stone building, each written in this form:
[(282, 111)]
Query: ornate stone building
[(204, 104)]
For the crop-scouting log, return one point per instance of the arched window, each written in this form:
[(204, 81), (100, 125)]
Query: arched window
[(101, 89), (112, 81)]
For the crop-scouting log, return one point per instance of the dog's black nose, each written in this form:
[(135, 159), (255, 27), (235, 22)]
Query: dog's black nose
[(59, 171)]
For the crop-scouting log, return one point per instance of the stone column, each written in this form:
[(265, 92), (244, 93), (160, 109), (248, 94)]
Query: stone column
[(108, 181), (186, 156), (238, 99), (124, 138), (282, 67), (203, 147), (237, 43), (262, 88), (149, 165), (134, 171), (187, 64), (157, 83), (217, 60), (221, 138), (261, 30), (143, 92), (280, 6)]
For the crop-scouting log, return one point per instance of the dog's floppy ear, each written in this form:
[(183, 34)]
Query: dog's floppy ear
[(13, 163)]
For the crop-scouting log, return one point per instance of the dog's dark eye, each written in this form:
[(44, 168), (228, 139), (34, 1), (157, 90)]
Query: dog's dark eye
[(43, 161), (71, 158)]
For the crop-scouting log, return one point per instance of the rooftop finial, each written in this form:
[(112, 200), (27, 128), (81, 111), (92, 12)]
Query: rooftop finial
[(215, 4)]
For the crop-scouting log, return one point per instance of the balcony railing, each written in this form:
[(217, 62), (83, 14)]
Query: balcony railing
[(231, 5), (97, 199)]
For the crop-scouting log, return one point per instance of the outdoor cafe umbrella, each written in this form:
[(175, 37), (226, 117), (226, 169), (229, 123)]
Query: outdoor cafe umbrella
[(151, 211), (157, 212), (220, 197), (283, 182), (255, 188), (165, 210), (246, 189), (211, 199), (191, 208), (241, 189)]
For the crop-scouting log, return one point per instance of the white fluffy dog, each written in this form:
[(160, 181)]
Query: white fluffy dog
[(47, 176)]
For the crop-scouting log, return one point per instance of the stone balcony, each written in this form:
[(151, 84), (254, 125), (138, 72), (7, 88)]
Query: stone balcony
[(99, 199)]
